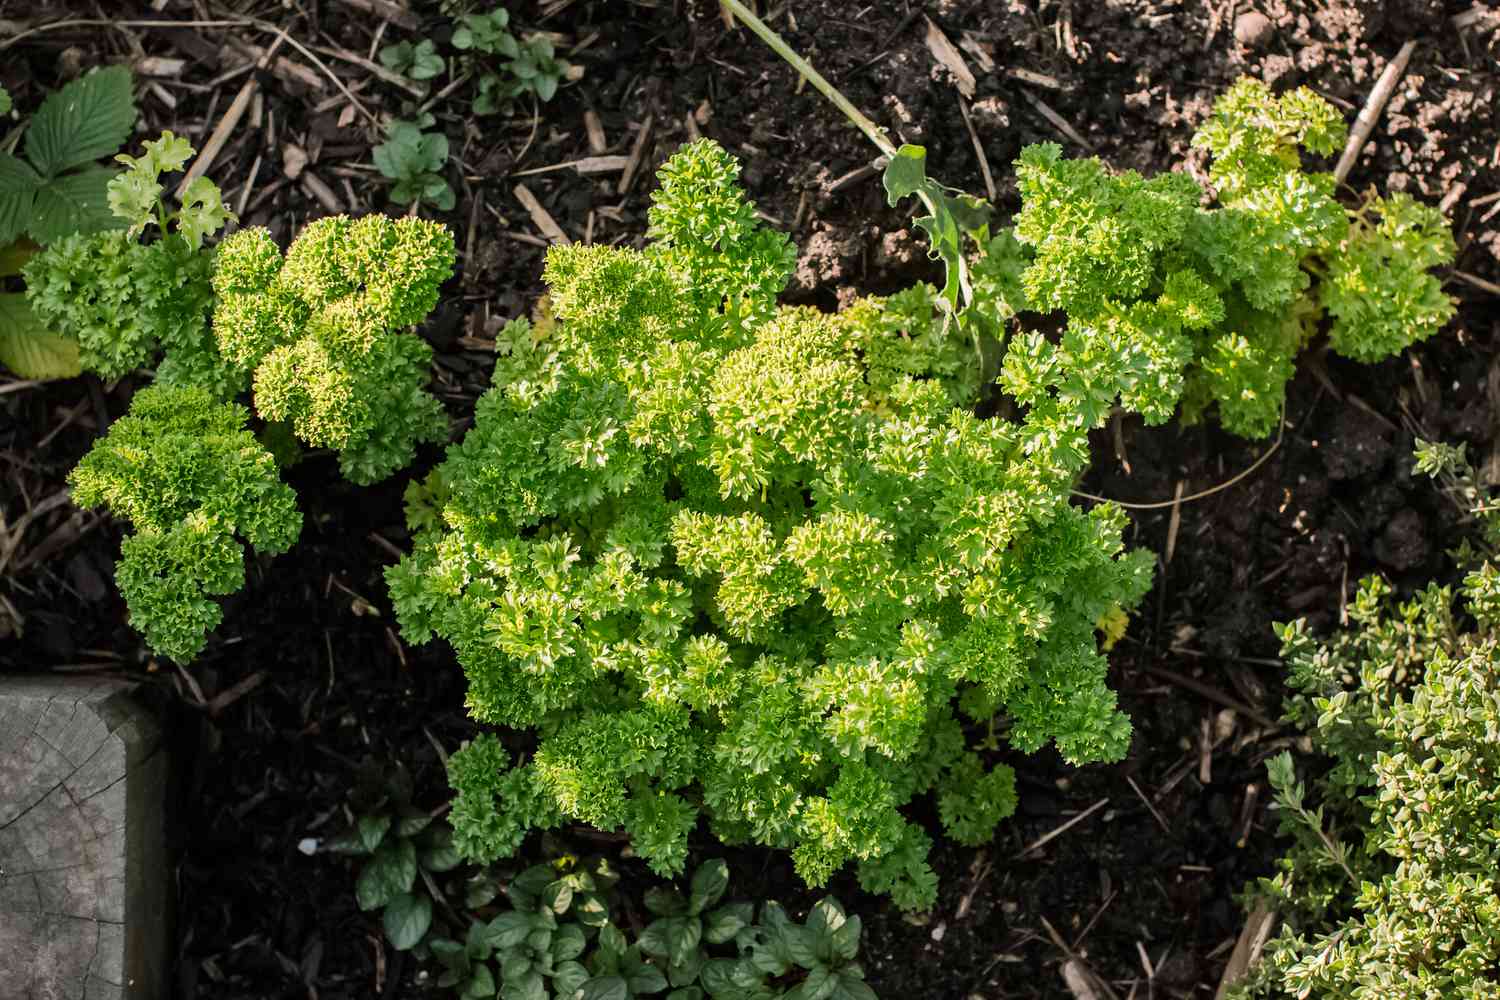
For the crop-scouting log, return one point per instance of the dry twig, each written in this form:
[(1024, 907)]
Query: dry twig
[(1364, 124)]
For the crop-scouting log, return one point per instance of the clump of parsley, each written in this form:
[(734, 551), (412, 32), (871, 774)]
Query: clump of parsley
[(754, 566), (1220, 299)]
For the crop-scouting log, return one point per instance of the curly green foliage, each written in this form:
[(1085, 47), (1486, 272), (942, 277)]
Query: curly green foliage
[(123, 300), (322, 333), (1222, 298), (196, 487), (1378, 289), (704, 232), (749, 564)]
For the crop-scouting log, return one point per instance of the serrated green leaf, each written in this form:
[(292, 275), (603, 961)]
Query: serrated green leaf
[(163, 155), (390, 872), (508, 930), (708, 885), (406, 919), (27, 348), (73, 203), (86, 120), (481, 985), (203, 212), (604, 988), (18, 187)]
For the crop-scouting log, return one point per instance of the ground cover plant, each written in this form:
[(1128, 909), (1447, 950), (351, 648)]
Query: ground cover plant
[(1389, 889), (307, 670), (559, 928)]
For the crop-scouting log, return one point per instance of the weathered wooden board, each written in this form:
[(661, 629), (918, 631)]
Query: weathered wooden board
[(83, 879)]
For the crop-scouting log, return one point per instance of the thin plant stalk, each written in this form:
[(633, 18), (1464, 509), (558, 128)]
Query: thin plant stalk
[(812, 76), (778, 45)]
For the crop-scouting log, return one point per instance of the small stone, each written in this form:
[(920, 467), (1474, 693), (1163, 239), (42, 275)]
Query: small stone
[(1252, 29)]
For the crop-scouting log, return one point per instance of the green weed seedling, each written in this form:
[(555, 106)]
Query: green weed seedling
[(415, 159), (418, 62), (531, 65)]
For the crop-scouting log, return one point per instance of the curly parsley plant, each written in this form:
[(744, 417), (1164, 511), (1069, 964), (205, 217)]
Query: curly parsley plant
[(320, 335), (1222, 298), (757, 565), (122, 299), (323, 333), (198, 488)]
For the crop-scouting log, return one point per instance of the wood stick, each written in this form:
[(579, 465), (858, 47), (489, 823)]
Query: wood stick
[(598, 144), (1058, 121), (1364, 124), (220, 136), (540, 216), (1247, 950), (1047, 838), (945, 53), (984, 161), (637, 151), (392, 12), (586, 165)]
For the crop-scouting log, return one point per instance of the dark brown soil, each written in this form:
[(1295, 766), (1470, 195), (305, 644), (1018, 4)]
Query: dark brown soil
[(311, 677)]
